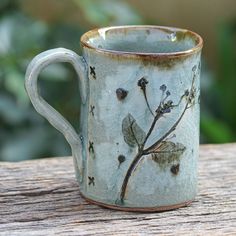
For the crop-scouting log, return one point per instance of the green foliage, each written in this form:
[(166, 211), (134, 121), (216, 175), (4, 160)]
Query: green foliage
[(215, 130), (227, 75), (218, 119), (23, 133), (108, 12)]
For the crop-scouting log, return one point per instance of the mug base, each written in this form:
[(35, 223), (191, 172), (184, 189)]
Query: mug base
[(139, 209)]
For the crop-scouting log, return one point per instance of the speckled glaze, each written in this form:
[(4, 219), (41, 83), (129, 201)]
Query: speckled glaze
[(138, 144)]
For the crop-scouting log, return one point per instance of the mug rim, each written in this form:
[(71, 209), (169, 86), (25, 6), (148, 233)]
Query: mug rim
[(95, 32)]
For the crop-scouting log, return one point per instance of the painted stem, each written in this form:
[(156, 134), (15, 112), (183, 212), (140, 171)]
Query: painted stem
[(128, 174), (150, 130), (141, 151), (147, 151), (137, 158), (145, 96)]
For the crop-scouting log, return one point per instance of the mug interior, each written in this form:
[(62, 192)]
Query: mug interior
[(142, 39)]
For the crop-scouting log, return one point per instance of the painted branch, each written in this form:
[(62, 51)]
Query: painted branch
[(151, 129), (149, 108), (173, 127), (128, 174), (142, 151), (147, 151)]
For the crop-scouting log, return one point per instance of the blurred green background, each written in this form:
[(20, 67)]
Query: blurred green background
[(30, 27)]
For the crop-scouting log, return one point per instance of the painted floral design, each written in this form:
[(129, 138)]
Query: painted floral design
[(162, 151)]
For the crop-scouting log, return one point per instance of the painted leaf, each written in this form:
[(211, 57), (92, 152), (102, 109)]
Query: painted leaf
[(167, 152), (133, 134)]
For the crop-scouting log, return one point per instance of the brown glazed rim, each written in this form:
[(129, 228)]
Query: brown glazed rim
[(138, 209), (95, 32)]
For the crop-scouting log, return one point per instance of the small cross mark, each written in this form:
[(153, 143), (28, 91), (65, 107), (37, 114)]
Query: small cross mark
[(91, 180), (91, 148), (92, 107), (92, 71)]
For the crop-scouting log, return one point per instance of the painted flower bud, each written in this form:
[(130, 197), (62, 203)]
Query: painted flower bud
[(121, 93)]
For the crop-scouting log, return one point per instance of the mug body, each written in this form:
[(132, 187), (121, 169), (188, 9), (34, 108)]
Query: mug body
[(140, 124)]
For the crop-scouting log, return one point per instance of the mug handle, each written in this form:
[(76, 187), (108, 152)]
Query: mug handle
[(42, 107)]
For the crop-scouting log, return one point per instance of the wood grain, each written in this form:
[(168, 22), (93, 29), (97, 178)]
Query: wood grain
[(41, 197)]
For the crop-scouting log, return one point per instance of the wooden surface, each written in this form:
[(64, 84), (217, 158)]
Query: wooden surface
[(41, 197)]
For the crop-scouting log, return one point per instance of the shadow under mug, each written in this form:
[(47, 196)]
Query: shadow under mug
[(138, 144)]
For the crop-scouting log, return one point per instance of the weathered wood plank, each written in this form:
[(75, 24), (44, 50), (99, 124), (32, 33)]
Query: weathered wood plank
[(41, 197)]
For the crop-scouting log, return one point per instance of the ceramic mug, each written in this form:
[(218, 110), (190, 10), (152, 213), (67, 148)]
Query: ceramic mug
[(137, 148)]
